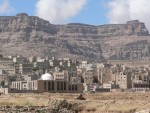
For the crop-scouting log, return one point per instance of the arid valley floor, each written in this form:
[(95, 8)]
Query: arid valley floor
[(116, 102)]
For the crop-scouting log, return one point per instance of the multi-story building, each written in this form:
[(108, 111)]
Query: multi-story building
[(20, 59), (9, 70), (3, 76), (141, 82), (42, 64), (32, 59), (6, 63), (61, 75), (104, 73), (25, 68), (88, 76), (123, 80), (8, 66)]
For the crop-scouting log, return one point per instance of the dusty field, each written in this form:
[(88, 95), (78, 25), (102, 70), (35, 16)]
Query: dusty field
[(98, 103)]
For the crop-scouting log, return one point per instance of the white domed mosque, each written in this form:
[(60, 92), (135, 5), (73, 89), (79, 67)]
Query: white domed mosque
[(47, 83), (47, 76)]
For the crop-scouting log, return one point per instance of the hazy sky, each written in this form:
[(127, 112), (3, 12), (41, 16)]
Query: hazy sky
[(95, 12)]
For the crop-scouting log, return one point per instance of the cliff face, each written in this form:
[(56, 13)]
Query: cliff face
[(130, 28), (30, 35), (25, 23)]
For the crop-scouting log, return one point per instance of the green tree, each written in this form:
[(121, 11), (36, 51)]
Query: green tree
[(35, 68), (2, 83), (12, 78), (95, 80)]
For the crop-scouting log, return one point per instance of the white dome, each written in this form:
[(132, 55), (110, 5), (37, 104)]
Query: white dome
[(47, 76)]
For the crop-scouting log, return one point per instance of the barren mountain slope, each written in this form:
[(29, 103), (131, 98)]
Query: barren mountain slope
[(29, 36)]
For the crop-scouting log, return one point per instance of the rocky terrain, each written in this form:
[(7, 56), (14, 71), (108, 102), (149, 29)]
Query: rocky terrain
[(119, 102), (30, 36)]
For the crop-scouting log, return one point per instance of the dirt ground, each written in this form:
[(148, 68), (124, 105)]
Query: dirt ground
[(117, 102)]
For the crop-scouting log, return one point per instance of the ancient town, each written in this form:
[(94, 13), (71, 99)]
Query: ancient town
[(37, 75)]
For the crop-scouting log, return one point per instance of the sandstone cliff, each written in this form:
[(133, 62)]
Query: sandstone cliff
[(31, 35)]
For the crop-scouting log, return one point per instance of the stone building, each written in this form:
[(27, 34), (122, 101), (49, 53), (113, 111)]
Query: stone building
[(7, 66), (20, 59), (46, 84), (104, 73), (32, 59), (88, 76), (141, 82), (9, 70), (25, 68), (123, 80), (3, 76), (41, 64), (62, 75), (6, 63)]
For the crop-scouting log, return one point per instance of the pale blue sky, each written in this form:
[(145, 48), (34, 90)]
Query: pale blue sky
[(20, 6), (97, 12), (93, 12)]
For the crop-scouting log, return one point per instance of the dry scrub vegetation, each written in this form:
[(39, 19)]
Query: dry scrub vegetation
[(124, 102)]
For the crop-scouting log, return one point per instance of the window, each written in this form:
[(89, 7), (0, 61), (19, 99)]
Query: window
[(57, 85), (64, 85), (52, 85), (30, 85), (76, 88), (69, 87), (61, 85), (73, 87), (45, 85), (49, 85), (33, 85), (19, 85)]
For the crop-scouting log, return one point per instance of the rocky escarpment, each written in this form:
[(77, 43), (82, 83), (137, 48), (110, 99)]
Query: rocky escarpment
[(23, 22), (130, 28), (36, 36)]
